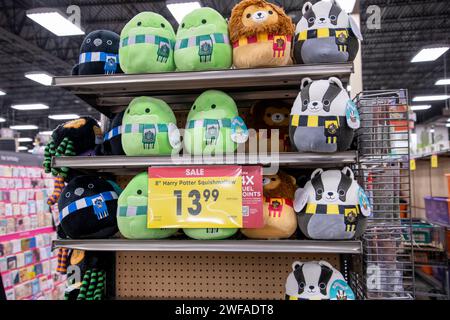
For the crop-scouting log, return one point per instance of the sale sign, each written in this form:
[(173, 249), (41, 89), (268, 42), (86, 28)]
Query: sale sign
[(195, 197), (252, 197)]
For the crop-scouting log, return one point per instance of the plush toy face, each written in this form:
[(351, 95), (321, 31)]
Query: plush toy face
[(317, 281), (147, 43), (88, 207), (257, 16), (279, 185), (132, 211), (276, 117), (202, 21), (323, 14), (148, 127), (213, 104)]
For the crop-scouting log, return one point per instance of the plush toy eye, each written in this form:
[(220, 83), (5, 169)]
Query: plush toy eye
[(311, 20), (194, 107), (270, 12), (305, 102), (147, 110), (139, 192), (326, 102), (109, 42), (128, 111), (203, 21), (213, 106), (301, 285), (67, 194), (182, 25), (333, 18), (88, 40), (248, 15), (322, 285), (90, 186), (341, 192), (163, 25), (139, 23), (319, 191)]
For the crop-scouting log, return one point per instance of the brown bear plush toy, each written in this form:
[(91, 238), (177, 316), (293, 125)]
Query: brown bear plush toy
[(280, 221), (271, 115), (261, 34)]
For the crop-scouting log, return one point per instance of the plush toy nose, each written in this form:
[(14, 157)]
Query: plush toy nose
[(98, 42), (259, 14), (330, 194), (311, 287), (322, 19), (315, 104), (79, 191)]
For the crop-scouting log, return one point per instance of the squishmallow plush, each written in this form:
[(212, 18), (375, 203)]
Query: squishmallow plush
[(210, 233), (280, 220), (326, 34), (112, 140), (149, 128), (261, 34), (317, 280), (213, 125), (132, 211), (87, 208), (332, 206), (146, 44), (202, 42), (99, 54), (267, 115), (323, 117)]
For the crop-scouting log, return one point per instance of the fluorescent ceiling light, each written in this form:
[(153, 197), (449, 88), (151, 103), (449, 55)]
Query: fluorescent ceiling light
[(24, 139), (45, 133), (448, 125), (2, 119), (430, 54), (346, 5), (31, 151), (180, 9), (421, 107), (443, 82), (69, 116), (40, 77), (2, 93), (24, 127), (30, 106), (22, 148), (431, 98), (54, 21), (432, 131)]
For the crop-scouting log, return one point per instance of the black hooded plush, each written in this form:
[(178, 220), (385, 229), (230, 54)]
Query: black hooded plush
[(99, 54), (91, 218), (112, 145)]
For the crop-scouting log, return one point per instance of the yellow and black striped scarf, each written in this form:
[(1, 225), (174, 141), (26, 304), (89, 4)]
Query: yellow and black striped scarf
[(350, 212)]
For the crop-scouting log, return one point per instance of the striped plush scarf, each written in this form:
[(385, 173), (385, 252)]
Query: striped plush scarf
[(57, 189), (63, 254)]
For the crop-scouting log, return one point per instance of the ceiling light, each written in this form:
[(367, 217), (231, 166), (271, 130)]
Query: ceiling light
[(2, 93), (22, 148), (69, 116), (443, 82), (431, 98), (448, 125), (430, 54), (2, 119), (30, 106), (180, 9), (432, 131), (45, 133), (40, 77), (24, 139), (24, 127), (421, 107), (346, 5), (54, 21)]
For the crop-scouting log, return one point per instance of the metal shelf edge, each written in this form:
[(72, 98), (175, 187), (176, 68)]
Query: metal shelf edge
[(284, 246)]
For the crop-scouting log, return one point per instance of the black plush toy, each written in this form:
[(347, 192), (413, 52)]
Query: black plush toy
[(87, 208), (112, 144), (99, 54)]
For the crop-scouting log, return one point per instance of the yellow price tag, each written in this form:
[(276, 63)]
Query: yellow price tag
[(412, 165), (434, 161), (195, 197)]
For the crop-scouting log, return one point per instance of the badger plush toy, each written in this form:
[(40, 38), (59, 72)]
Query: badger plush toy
[(99, 54), (87, 208), (317, 281), (326, 34), (332, 206), (323, 117)]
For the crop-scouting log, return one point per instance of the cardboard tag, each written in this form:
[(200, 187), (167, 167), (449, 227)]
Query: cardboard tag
[(434, 161), (412, 165)]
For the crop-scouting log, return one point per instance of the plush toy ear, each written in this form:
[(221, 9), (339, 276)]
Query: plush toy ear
[(326, 264), (293, 180), (306, 7), (316, 173), (296, 265), (355, 28), (336, 81), (305, 82), (348, 172), (300, 199)]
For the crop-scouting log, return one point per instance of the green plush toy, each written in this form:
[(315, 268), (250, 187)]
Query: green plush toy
[(146, 44), (149, 128), (210, 233), (132, 211), (213, 125), (202, 42)]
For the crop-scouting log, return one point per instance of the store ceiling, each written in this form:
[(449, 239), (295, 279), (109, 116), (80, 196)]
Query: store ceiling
[(406, 26)]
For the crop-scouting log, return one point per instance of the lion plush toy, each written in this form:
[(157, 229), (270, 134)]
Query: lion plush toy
[(280, 220), (261, 34)]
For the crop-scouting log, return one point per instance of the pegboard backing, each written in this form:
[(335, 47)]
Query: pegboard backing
[(206, 275)]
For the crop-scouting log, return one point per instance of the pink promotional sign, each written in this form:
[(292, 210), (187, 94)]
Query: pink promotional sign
[(252, 197)]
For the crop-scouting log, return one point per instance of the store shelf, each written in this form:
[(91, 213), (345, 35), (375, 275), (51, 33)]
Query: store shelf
[(119, 164), (294, 246), (111, 93)]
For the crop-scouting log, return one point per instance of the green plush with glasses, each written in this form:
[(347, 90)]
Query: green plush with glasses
[(147, 44)]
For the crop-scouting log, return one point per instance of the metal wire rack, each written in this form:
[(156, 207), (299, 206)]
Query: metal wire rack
[(383, 171)]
